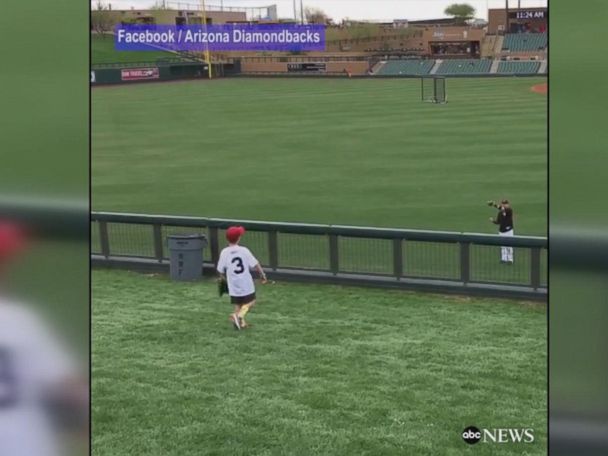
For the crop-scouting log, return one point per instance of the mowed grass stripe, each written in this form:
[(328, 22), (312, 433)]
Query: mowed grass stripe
[(103, 50), (363, 152), (325, 370)]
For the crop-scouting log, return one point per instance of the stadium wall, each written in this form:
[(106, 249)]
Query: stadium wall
[(147, 72), (177, 69), (356, 68)]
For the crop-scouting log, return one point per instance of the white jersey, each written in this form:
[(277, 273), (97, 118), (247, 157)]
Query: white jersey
[(31, 362), (236, 262)]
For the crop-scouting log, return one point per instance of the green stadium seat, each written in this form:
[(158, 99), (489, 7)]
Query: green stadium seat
[(464, 66), (524, 42), (406, 67), (518, 67)]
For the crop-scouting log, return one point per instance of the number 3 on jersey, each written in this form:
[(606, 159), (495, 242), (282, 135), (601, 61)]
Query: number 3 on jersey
[(240, 268)]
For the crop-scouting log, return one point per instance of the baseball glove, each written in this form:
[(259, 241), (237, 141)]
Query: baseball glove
[(222, 287)]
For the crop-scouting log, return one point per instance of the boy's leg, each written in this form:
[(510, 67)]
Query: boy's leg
[(244, 309), (234, 317)]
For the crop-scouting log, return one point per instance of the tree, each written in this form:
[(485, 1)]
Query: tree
[(316, 16), (462, 12), (159, 5), (101, 19), (158, 11)]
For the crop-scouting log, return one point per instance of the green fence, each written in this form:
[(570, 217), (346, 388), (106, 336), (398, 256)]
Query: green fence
[(425, 260)]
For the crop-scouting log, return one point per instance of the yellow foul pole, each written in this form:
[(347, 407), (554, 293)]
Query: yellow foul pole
[(206, 52)]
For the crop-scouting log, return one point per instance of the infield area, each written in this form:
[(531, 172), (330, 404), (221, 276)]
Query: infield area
[(360, 152), (325, 370)]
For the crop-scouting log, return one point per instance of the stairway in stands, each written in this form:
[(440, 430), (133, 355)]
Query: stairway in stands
[(498, 44), (378, 66), (436, 66), (487, 46)]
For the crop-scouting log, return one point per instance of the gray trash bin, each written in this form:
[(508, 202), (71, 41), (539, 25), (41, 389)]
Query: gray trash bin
[(186, 255)]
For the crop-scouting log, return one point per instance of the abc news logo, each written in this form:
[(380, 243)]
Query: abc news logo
[(473, 435)]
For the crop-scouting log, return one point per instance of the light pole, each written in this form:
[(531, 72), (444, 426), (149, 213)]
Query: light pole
[(206, 51)]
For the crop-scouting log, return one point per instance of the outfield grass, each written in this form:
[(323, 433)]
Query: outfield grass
[(103, 51), (324, 371), (362, 152)]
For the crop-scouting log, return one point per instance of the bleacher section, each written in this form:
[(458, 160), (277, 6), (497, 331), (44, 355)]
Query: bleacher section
[(406, 67), (460, 67), (464, 66), (524, 42), (518, 67)]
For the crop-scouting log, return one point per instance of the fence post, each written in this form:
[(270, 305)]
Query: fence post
[(334, 257), (273, 250), (104, 239), (535, 267), (214, 244), (465, 264), (158, 242), (397, 258)]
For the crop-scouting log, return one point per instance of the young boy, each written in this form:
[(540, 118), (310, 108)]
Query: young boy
[(235, 265)]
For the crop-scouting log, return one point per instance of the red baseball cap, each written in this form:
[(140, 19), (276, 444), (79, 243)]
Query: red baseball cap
[(233, 233), (12, 240)]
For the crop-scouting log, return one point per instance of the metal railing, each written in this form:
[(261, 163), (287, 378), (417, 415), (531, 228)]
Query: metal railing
[(307, 74), (300, 58), (252, 12), (165, 61), (441, 261)]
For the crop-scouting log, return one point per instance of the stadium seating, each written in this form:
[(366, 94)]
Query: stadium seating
[(518, 67), (406, 67), (524, 42), (417, 67), (464, 66)]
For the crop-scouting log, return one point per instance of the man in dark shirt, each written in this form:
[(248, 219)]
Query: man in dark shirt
[(504, 220)]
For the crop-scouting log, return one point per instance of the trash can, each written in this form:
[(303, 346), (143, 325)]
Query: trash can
[(186, 255)]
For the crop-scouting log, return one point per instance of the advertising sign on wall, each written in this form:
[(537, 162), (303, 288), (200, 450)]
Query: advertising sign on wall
[(137, 74)]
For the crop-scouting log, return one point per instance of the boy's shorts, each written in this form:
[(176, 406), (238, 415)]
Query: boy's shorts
[(242, 300)]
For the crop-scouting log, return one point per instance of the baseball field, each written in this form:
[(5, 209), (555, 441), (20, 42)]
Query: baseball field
[(325, 370), (361, 152)]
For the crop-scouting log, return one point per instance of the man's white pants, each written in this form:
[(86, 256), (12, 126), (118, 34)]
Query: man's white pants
[(506, 253)]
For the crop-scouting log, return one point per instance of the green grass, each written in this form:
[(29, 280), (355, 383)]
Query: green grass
[(362, 152), (325, 370), (103, 51)]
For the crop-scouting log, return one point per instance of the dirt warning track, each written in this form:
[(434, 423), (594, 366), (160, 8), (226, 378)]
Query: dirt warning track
[(539, 88)]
